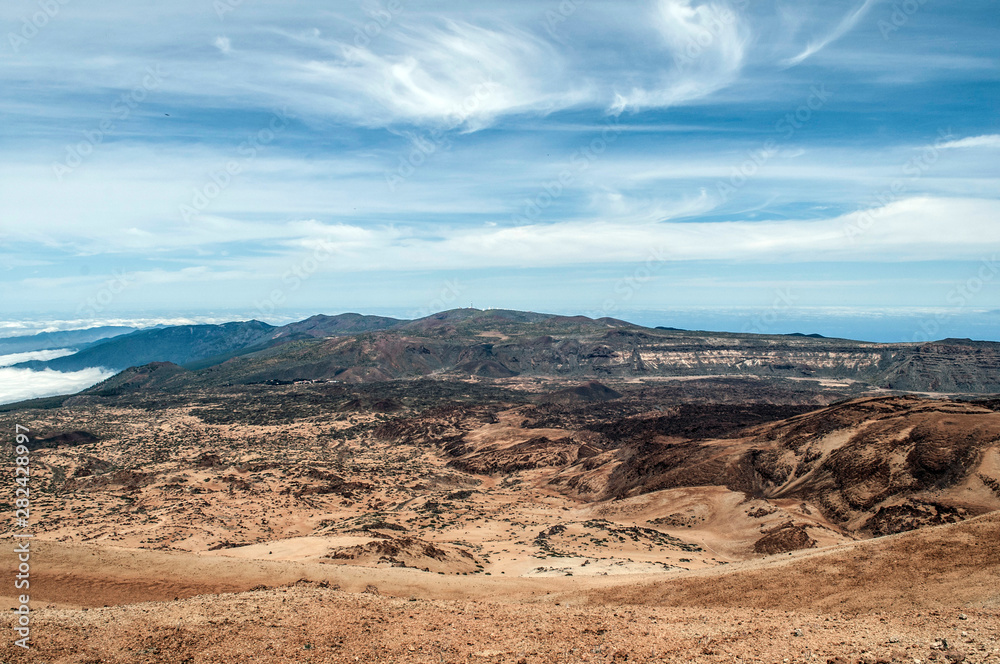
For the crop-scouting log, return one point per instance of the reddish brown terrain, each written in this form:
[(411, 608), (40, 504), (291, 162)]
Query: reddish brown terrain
[(513, 519)]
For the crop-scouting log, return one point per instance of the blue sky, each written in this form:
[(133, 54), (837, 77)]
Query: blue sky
[(643, 160)]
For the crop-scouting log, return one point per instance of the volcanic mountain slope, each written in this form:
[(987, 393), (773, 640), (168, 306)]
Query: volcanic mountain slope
[(320, 326), (890, 464), (875, 465), (499, 343), (496, 344), (952, 365), (180, 344), (955, 564), (206, 344), (871, 466)]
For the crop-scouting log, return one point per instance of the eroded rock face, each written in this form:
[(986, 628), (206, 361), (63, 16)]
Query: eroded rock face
[(911, 515), (884, 451)]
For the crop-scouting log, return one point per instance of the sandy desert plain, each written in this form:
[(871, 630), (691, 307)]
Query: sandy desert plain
[(522, 519)]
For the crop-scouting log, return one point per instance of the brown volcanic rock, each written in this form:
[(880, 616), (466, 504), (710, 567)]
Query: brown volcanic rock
[(911, 515), (591, 391), (406, 551), (655, 465), (784, 538), (486, 368), (68, 438), (536, 452)]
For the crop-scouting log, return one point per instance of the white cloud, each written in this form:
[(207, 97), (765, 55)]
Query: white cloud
[(25, 327), (628, 208), (618, 228), (17, 358), (20, 384), (456, 74), (707, 45), (419, 68), (909, 229), (842, 28), (985, 141)]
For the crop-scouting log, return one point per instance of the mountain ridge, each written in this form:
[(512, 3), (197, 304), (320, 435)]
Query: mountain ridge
[(503, 344)]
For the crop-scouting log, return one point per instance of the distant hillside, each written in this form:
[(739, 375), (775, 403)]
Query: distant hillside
[(328, 326), (503, 344), (180, 345), (63, 339), (148, 376), (206, 345), (499, 344)]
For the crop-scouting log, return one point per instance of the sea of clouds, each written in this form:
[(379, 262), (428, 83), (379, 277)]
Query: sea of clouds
[(20, 384)]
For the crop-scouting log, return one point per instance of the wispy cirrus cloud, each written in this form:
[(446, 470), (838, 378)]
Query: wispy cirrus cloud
[(842, 28), (454, 74)]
